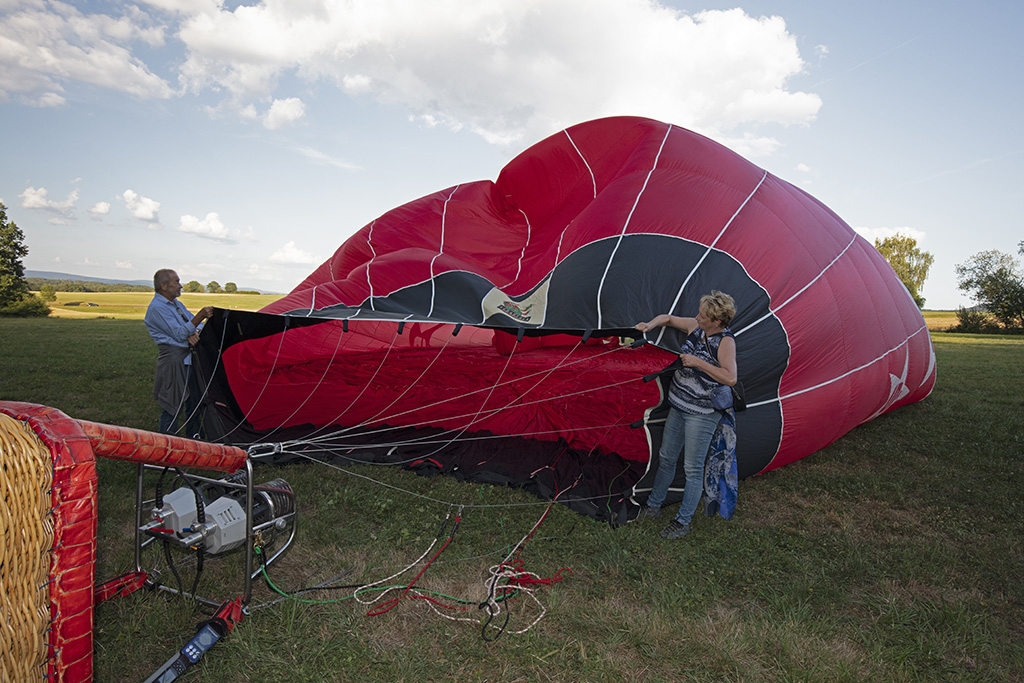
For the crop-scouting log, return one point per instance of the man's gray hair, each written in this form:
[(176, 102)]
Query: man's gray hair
[(161, 278)]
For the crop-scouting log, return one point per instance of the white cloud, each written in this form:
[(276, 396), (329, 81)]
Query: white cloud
[(211, 228), (36, 198), (803, 168), (283, 113), (291, 255), (872, 234), (48, 99), (124, 265), (512, 71), (321, 157), (49, 45), (143, 208), (100, 209)]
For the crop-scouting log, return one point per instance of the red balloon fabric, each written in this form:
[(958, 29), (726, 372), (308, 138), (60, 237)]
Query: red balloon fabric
[(464, 311)]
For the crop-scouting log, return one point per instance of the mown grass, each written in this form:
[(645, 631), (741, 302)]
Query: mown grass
[(895, 554)]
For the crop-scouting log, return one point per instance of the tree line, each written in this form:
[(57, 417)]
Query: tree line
[(45, 286)]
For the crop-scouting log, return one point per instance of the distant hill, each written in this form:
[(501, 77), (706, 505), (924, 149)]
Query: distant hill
[(47, 275), (68, 277)]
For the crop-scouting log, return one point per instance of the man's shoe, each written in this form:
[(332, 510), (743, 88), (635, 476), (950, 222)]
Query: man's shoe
[(647, 512), (674, 530)]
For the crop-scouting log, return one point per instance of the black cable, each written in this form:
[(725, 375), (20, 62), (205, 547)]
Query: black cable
[(174, 569)]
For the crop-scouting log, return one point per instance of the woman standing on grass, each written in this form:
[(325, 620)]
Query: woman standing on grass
[(708, 360)]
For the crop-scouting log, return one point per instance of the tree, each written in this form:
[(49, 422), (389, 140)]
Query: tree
[(994, 280), (910, 263), (193, 287), (48, 293), (13, 285), (15, 297), (213, 287), (230, 287)]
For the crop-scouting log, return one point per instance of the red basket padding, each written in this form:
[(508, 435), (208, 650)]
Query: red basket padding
[(73, 556), (125, 443)]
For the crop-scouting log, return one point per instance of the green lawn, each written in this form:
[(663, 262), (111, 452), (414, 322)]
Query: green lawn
[(894, 554)]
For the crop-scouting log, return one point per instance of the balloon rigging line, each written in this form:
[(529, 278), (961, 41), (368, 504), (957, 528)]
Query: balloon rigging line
[(344, 430), (481, 506), (493, 411), (332, 446), (371, 419), (429, 405), (463, 429), (489, 413), (414, 382), (312, 302), (206, 388), (277, 354), (476, 417), (216, 363), (325, 585), (625, 227), (366, 386), (498, 384), (312, 391), (476, 391), (394, 576), (707, 251), (522, 254), (373, 252), (572, 142), (440, 248)]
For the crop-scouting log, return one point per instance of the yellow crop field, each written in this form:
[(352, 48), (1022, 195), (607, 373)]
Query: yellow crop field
[(132, 305)]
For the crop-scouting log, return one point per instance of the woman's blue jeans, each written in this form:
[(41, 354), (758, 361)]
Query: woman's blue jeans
[(690, 434)]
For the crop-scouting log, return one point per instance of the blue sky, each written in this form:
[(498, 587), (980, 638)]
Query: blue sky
[(245, 142)]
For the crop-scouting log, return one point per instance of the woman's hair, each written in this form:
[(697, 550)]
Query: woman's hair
[(718, 306)]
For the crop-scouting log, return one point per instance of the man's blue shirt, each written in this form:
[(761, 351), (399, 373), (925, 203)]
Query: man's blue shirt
[(169, 322)]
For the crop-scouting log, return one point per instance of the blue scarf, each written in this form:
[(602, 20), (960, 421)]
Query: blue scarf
[(721, 481)]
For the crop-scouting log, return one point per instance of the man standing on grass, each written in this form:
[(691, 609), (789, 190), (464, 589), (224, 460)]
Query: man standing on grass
[(175, 331)]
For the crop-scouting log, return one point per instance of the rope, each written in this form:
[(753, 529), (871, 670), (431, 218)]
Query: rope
[(476, 391)]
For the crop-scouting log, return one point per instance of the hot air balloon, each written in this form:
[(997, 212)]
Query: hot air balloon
[(484, 330)]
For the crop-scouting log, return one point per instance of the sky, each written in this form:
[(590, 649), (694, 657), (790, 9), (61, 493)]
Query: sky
[(245, 141)]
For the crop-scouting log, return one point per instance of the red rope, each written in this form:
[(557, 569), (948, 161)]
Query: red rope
[(389, 605)]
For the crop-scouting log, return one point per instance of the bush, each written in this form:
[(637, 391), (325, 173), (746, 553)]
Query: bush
[(30, 306), (973, 321)]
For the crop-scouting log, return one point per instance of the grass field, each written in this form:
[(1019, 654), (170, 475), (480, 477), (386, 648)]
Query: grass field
[(895, 554)]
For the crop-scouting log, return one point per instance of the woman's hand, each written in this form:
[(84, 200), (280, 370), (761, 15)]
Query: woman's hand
[(655, 323), (689, 361)]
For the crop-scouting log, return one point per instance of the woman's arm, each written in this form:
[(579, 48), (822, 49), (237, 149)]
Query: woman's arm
[(687, 325), (725, 372)]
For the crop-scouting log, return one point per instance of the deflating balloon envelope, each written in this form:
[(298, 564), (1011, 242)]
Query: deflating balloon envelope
[(481, 330)]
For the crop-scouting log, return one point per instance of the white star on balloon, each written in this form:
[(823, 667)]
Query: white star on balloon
[(897, 389)]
